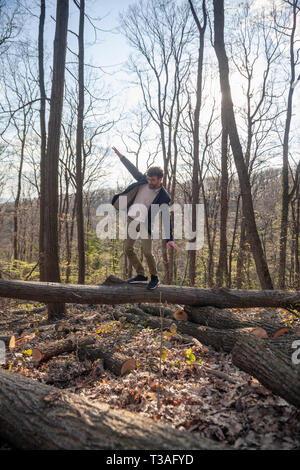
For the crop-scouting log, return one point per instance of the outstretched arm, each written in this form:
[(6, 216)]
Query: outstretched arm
[(130, 167)]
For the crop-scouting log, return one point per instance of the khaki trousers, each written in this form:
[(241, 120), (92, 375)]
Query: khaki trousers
[(147, 250)]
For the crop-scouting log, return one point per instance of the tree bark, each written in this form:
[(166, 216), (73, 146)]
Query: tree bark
[(222, 270), (196, 166), (271, 365), (219, 339), (43, 352), (126, 293), (114, 361), (240, 263), (16, 254), (40, 417), (79, 146), (223, 319), (43, 141), (233, 241), (252, 233), (285, 197), (156, 310), (55, 309)]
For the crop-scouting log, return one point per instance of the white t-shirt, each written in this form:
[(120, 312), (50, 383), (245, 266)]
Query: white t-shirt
[(144, 196)]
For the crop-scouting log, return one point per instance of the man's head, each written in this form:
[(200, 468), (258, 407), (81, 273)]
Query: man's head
[(154, 176)]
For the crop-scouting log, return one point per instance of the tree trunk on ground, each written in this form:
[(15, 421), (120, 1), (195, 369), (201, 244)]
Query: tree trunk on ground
[(252, 233), (223, 319), (126, 293), (40, 417), (55, 309), (271, 365), (219, 339), (43, 352), (156, 310), (114, 361)]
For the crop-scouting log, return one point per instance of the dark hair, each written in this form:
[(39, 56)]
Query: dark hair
[(155, 171)]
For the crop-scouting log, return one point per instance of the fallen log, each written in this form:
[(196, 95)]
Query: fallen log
[(114, 361), (223, 319), (44, 351), (36, 416), (219, 339), (157, 310), (24, 311), (270, 362), (222, 375), (154, 310), (125, 293)]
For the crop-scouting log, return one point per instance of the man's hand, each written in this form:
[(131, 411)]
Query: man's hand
[(117, 152), (172, 244)]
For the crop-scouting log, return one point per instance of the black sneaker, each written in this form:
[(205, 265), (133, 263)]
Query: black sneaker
[(138, 278), (153, 283)]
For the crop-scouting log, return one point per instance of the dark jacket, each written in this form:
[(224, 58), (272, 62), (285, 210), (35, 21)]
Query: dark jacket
[(162, 196)]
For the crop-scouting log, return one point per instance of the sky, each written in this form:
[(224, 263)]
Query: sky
[(110, 52)]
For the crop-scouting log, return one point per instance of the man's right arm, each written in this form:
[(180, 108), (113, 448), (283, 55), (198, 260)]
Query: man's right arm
[(130, 167)]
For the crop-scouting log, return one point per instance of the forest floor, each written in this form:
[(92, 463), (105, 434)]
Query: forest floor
[(182, 389)]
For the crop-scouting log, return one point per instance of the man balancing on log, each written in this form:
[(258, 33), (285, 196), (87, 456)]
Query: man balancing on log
[(144, 197)]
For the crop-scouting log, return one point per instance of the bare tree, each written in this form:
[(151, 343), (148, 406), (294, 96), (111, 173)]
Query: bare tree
[(196, 165), (10, 23), (43, 139), (255, 242), (79, 145), (19, 91), (293, 7), (52, 154), (256, 50)]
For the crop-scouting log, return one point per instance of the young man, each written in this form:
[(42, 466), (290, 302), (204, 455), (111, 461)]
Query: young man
[(147, 190)]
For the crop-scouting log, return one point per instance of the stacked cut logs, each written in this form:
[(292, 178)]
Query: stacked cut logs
[(114, 361), (264, 349)]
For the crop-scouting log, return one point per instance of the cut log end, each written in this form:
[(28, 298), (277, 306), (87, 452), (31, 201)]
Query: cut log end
[(281, 331), (37, 355), (12, 342), (180, 315), (9, 341), (258, 332), (128, 366)]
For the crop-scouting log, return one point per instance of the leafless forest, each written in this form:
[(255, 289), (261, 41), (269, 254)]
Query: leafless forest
[(211, 94)]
